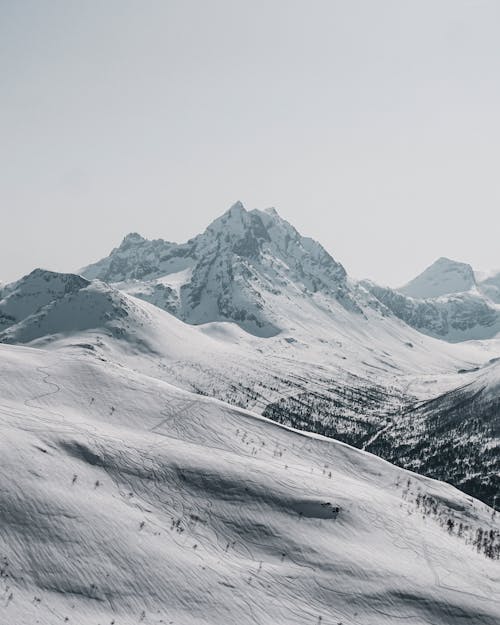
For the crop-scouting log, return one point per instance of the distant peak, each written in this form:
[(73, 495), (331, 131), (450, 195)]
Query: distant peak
[(39, 272), (237, 207), (444, 260), (444, 277), (132, 238), (48, 274), (234, 214), (39, 278)]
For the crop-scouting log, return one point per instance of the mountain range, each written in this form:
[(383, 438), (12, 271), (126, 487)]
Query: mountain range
[(191, 386), (446, 301)]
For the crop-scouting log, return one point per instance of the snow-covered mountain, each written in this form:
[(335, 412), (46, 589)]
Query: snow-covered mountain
[(455, 317), (443, 277), (446, 301), (125, 500), (253, 268), (136, 486), (246, 267), (347, 361), (314, 349)]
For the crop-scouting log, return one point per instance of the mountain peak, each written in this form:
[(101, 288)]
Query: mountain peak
[(32, 292), (444, 277), (236, 212), (237, 207), (44, 278), (235, 270), (133, 238)]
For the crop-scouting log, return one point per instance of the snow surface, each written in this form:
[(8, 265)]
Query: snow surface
[(126, 500), (320, 339)]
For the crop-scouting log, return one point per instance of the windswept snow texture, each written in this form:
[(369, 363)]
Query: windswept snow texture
[(331, 369), (125, 500), (338, 373)]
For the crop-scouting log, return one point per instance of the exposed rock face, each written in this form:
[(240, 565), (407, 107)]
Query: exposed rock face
[(232, 271)]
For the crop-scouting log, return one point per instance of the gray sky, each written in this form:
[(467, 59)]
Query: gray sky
[(373, 126)]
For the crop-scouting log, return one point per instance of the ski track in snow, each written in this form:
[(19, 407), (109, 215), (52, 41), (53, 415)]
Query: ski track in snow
[(181, 471), (127, 499)]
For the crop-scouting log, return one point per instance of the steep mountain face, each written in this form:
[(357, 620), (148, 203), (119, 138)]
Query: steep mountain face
[(136, 258), (443, 277), (234, 271), (125, 500)]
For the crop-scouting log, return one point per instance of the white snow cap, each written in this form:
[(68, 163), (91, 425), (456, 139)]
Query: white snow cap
[(443, 277)]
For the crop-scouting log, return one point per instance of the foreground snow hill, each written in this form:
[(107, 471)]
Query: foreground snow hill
[(350, 362), (125, 500)]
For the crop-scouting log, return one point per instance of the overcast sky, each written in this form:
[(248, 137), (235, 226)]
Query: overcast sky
[(372, 126)]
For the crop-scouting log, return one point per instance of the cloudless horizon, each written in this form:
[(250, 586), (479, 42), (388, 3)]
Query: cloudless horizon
[(372, 127)]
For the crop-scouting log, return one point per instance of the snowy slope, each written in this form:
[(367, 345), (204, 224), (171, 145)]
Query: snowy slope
[(333, 370), (454, 436), (321, 343), (125, 500)]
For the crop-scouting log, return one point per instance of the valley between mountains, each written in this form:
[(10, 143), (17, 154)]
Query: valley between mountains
[(232, 429)]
